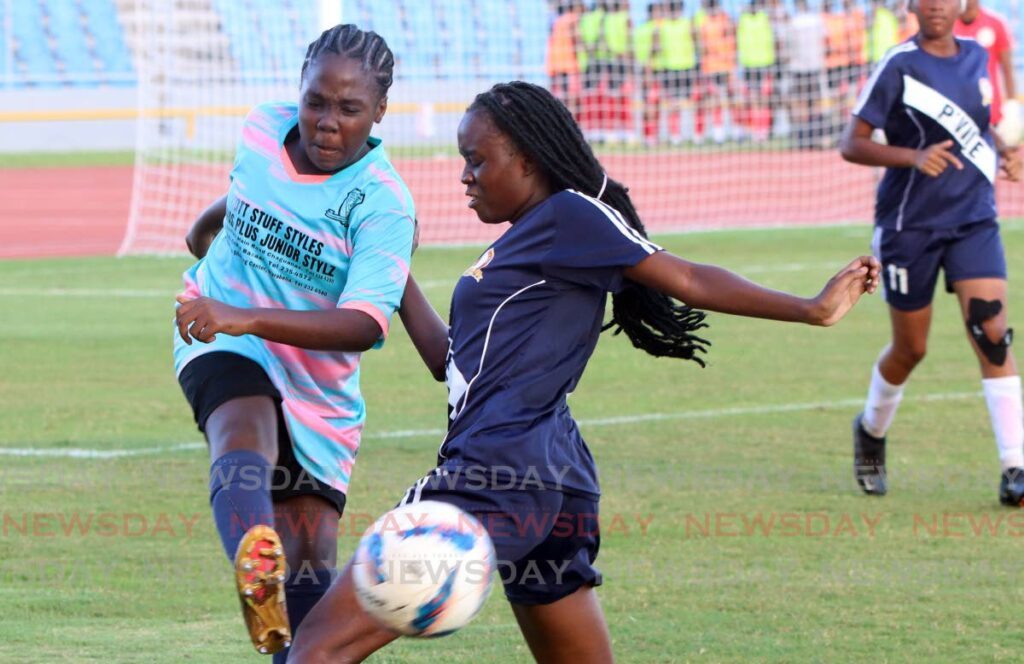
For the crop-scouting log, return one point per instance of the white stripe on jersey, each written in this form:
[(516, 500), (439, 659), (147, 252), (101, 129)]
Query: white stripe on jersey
[(483, 355), (875, 75), (615, 217)]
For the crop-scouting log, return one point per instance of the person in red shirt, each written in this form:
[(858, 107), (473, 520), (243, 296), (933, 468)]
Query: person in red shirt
[(989, 29)]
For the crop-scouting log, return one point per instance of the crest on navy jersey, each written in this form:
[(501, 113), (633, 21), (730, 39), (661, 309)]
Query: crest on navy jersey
[(344, 212), (476, 270)]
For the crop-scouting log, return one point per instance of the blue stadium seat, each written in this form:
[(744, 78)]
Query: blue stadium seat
[(461, 40)]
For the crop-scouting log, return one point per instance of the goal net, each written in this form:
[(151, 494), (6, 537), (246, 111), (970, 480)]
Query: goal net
[(711, 118)]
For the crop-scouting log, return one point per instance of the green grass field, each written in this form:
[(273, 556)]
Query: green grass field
[(733, 530)]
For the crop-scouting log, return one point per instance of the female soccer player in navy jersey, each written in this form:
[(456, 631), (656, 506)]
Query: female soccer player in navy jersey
[(936, 209), (525, 319), (301, 266)]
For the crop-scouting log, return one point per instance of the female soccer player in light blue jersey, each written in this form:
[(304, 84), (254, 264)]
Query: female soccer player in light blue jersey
[(936, 209), (301, 266)]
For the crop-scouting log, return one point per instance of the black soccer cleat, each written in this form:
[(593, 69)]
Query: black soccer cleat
[(1011, 487), (868, 460)]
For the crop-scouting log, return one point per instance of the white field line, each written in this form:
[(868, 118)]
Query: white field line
[(430, 283), (78, 453)]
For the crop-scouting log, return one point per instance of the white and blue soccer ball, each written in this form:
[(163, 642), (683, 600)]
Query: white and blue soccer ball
[(424, 569)]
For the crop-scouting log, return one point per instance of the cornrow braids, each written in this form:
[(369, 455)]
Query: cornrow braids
[(366, 46), (542, 127)]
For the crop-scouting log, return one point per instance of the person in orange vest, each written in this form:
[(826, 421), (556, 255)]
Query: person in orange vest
[(717, 35), (989, 29), (845, 58), (909, 25), (563, 62)]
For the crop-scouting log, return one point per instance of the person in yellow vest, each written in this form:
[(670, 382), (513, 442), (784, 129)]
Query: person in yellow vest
[(618, 38), (845, 59), (562, 62), (592, 68), (605, 32), (717, 36), (755, 40), (885, 31), (676, 64), (647, 48)]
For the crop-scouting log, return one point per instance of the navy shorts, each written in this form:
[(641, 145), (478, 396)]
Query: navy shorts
[(215, 378), (546, 541), (911, 260)]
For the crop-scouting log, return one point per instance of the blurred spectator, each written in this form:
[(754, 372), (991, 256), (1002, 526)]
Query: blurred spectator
[(647, 47), (676, 64), (885, 30), (717, 36), (908, 23), (564, 54), (989, 29), (806, 63), (755, 40), (845, 59), (605, 35)]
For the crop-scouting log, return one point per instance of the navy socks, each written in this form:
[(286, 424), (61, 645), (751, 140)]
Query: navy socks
[(240, 496), (303, 590)]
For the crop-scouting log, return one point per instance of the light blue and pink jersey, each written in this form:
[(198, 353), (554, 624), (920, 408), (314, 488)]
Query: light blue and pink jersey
[(307, 242)]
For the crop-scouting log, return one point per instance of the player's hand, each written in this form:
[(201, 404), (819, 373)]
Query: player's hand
[(1010, 164), (844, 290), (935, 159), (201, 318)]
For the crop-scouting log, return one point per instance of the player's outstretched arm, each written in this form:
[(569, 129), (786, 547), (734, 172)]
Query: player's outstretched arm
[(206, 226), (713, 288), (426, 328), (857, 147), (202, 318)]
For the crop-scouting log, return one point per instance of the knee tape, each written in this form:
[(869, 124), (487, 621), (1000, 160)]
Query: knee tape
[(978, 312)]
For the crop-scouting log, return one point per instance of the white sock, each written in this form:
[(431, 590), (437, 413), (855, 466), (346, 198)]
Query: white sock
[(1003, 396), (880, 408)]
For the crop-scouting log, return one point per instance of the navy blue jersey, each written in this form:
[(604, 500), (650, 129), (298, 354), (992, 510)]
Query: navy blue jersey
[(525, 319), (919, 99)]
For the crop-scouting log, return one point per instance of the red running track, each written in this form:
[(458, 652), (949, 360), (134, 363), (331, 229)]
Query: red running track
[(84, 211)]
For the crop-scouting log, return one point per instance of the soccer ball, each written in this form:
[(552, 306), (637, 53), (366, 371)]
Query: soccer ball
[(424, 569)]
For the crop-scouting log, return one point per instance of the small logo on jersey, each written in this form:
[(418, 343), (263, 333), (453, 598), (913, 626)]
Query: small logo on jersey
[(985, 86), (476, 270), (344, 212), (986, 37)]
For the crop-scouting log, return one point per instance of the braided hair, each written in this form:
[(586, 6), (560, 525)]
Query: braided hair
[(366, 46), (540, 126)]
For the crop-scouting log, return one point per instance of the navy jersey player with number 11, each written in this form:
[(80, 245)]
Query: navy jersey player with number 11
[(935, 210)]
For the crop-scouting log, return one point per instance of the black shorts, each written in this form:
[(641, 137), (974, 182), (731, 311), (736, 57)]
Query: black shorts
[(213, 379), (676, 83), (545, 541), (718, 82), (805, 85), (757, 79), (911, 260), (612, 72)]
